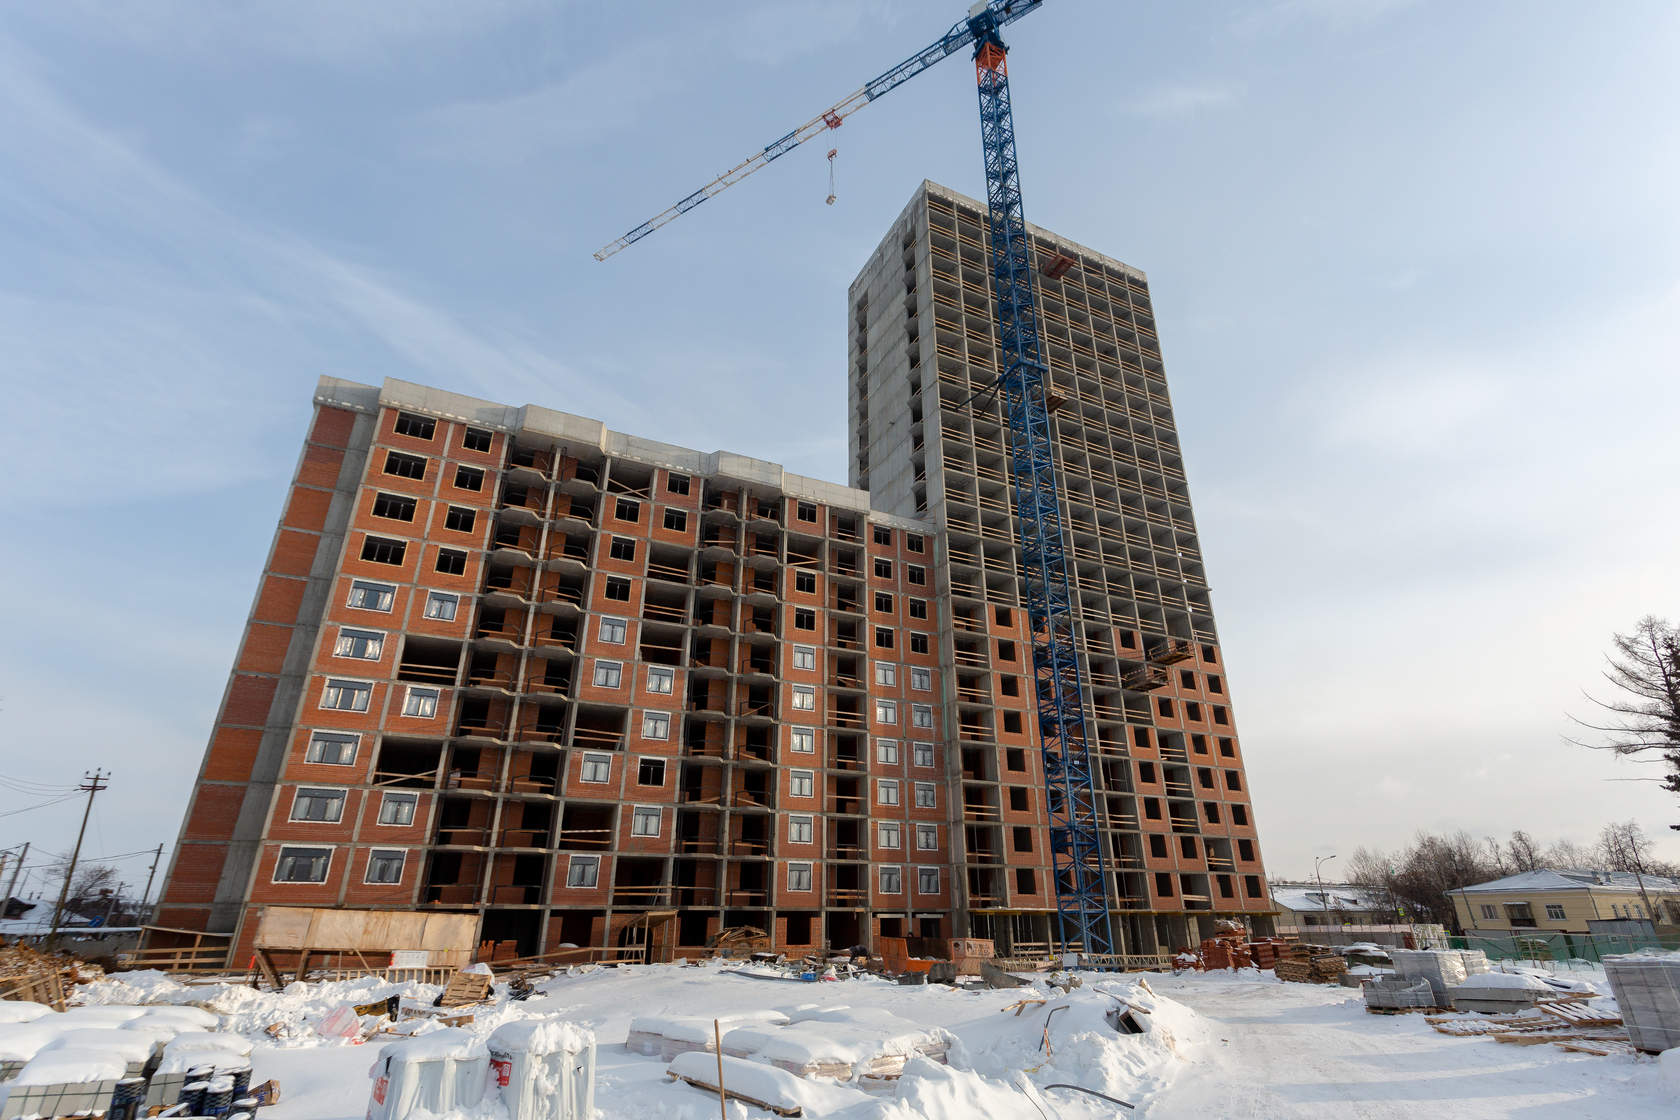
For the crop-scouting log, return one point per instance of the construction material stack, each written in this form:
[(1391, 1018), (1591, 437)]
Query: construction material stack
[(1443, 968), (1647, 991), (1311, 964)]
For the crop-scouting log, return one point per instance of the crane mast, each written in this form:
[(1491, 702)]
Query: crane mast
[(1075, 843), (1080, 871)]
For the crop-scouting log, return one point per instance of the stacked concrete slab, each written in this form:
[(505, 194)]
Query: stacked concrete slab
[(1647, 991), (1443, 968)]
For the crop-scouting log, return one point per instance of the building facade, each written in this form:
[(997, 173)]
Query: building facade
[(507, 661), (928, 441), (1549, 901)]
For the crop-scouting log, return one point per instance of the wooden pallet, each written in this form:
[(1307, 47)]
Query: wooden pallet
[(1501, 1024), (464, 988), (1580, 1015), (1536, 1038), (1603, 1049)]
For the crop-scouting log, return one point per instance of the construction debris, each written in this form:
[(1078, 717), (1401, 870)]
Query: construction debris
[(464, 988), (737, 939)]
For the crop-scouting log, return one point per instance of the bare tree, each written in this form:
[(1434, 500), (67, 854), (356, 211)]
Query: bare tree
[(1644, 718), (91, 878), (1522, 851)]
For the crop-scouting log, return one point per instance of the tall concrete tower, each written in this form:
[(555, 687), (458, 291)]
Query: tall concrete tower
[(1179, 831)]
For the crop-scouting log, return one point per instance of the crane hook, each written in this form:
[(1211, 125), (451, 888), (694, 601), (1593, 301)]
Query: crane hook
[(832, 152)]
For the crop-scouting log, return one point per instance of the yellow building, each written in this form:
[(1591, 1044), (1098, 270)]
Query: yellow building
[(1548, 901)]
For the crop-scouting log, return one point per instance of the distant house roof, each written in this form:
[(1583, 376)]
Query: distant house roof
[(1546, 879), (1334, 896), (35, 919)]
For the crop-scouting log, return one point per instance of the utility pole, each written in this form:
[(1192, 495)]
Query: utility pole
[(12, 886), (1323, 898), (91, 785), (141, 915)]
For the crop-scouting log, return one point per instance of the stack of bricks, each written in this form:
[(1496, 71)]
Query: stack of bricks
[(1267, 950), (1226, 952), (1311, 964)]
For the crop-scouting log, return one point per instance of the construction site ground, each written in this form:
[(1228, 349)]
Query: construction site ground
[(1217, 1044)]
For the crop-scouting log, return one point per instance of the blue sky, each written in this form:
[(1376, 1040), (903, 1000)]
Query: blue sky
[(1414, 265)]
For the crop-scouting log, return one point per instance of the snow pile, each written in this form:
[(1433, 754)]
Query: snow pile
[(20, 1042), (130, 1046), (21, 1011), (70, 1066), (542, 1036), (1084, 1046)]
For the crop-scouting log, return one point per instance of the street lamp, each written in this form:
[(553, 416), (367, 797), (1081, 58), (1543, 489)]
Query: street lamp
[(1323, 899)]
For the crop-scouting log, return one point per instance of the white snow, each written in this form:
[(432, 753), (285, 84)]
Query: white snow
[(1515, 981), (21, 1010), (131, 1046), (67, 1067), (450, 1042), (541, 1036), (1230, 1044), (20, 1042)]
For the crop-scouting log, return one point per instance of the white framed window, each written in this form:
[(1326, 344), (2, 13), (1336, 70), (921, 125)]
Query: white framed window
[(886, 791), (1554, 912), (886, 711), (441, 605), (613, 630), (1491, 912), (927, 880), (421, 703), (608, 674), (886, 674), (385, 865), (363, 645), (801, 783), (644, 821), (892, 880), (803, 740), (346, 696), (661, 680), (921, 715), (927, 837), (924, 754), (921, 680), (887, 835), (583, 871), (597, 767), (366, 595), (332, 748), (398, 808), (302, 865), (312, 803), (925, 796), (804, 698), (799, 876), (656, 725), (799, 830), (886, 751), (804, 657)]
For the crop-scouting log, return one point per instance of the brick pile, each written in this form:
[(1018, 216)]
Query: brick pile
[(1311, 964)]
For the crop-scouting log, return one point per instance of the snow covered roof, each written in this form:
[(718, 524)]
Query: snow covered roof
[(1546, 879), (1340, 897), (36, 920)]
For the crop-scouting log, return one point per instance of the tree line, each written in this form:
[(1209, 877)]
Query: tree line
[(1416, 879)]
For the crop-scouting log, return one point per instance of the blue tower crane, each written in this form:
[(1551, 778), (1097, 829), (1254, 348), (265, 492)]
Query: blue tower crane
[(1080, 871)]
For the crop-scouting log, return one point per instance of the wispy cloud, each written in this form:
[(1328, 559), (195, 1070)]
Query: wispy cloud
[(1338, 14), (334, 31), (1179, 101), (159, 300)]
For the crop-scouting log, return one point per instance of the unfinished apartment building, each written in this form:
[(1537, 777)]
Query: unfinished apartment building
[(607, 692), (1177, 827)]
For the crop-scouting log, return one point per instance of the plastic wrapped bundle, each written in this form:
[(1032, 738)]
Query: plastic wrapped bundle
[(1399, 993), (1647, 990), (1443, 968), (1475, 961)]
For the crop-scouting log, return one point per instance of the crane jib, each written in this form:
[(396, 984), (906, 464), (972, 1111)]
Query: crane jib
[(997, 14)]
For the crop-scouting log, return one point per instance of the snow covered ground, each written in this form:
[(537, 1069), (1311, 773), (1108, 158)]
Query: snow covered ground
[(1216, 1045)]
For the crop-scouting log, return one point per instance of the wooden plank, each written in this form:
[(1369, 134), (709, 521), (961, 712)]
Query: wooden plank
[(1580, 1015), (700, 1083)]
